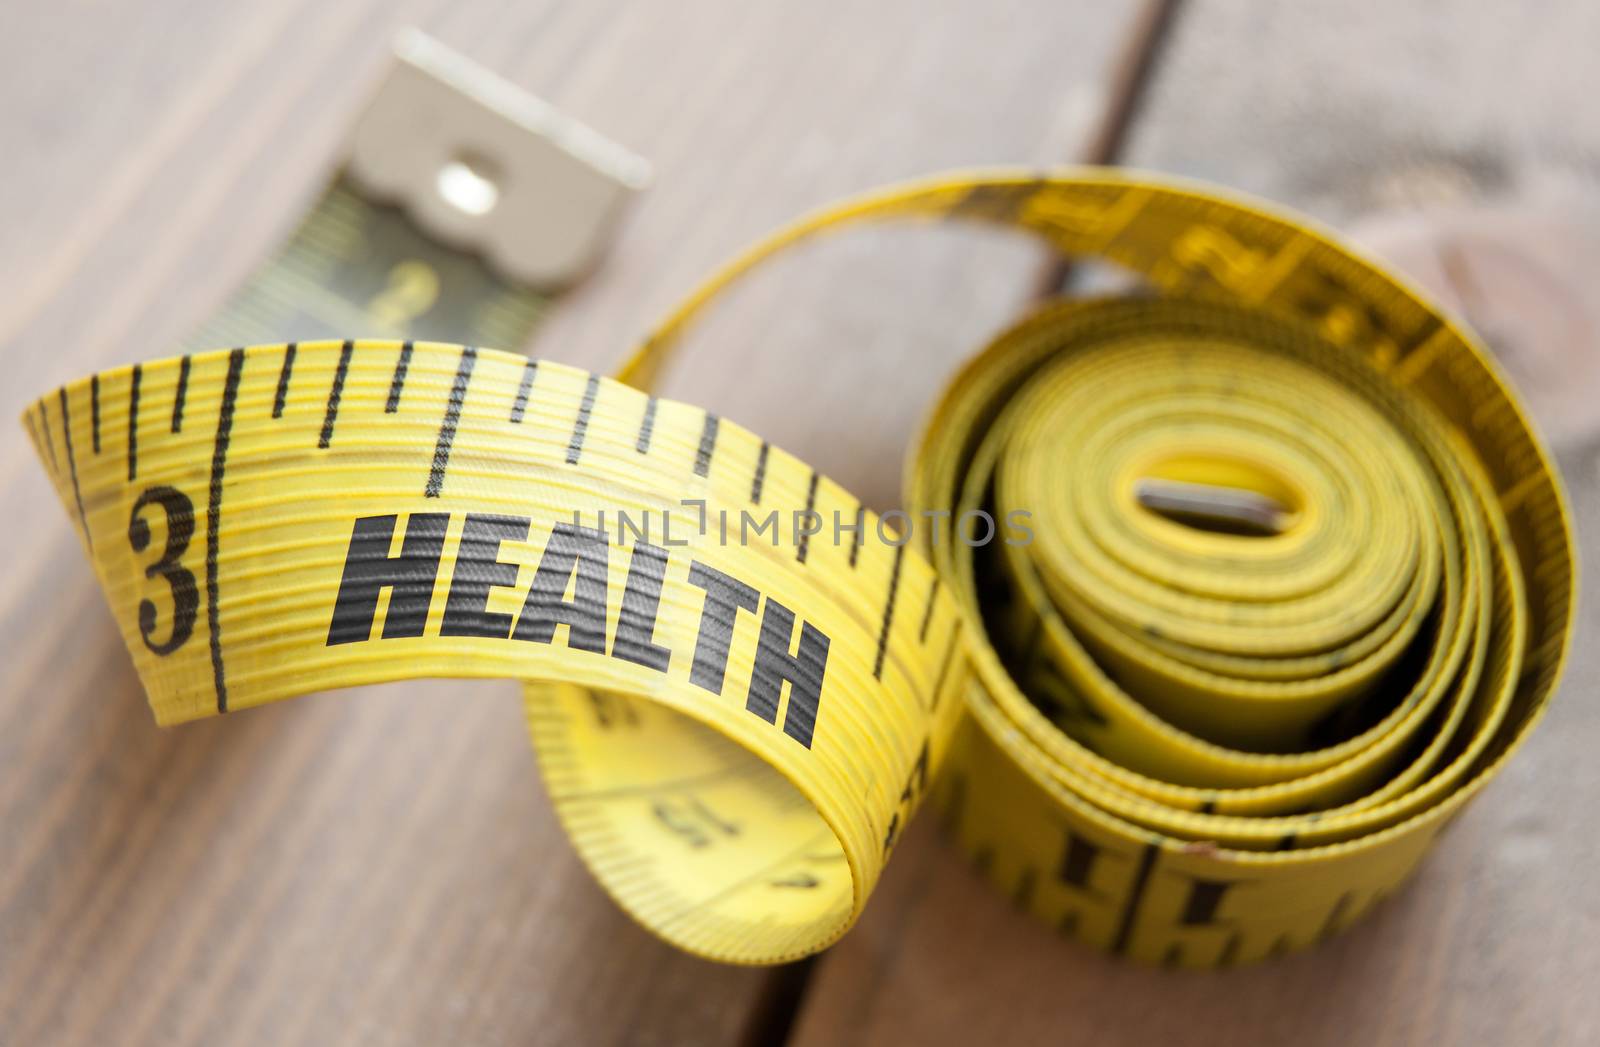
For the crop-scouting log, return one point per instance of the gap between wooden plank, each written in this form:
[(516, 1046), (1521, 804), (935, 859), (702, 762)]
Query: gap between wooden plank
[(778, 1006)]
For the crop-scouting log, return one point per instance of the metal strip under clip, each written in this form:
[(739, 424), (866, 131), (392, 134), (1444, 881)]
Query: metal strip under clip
[(483, 166)]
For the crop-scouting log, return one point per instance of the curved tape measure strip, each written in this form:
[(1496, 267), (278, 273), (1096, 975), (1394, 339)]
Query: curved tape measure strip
[(1193, 747)]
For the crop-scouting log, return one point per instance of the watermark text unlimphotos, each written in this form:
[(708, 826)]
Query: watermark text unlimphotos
[(698, 521)]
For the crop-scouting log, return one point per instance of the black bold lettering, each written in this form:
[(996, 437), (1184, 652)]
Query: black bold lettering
[(1205, 896), (479, 569), (368, 570), (803, 670), (1078, 862), (572, 549), (724, 597), (641, 599)]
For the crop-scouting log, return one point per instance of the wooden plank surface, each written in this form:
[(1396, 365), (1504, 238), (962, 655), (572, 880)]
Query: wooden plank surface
[(384, 867), (1456, 140)]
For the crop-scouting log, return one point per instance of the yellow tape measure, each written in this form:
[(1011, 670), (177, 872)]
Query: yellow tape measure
[(1277, 575)]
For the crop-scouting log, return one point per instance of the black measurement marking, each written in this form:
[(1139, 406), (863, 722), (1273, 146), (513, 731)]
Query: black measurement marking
[(1174, 956), (804, 544), (283, 380), (1023, 894), (581, 426), (334, 393), (1287, 841), (954, 807), (708, 446), (927, 612), (647, 425), (133, 425), (183, 393), (219, 459), (447, 428), (800, 880), (1209, 805), (397, 384), (33, 429), (1130, 911), (521, 404), (1230, 951), (72, 467), (94, 410), (673, 785), (856, 537), (1077, 864), (610, 710), (1205, 898), (1336, 914), (888, 612), (761, 473), (49, 441), (758, 876)]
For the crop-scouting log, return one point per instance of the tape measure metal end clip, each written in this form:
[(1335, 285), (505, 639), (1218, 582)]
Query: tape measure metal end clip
[(484, 166)]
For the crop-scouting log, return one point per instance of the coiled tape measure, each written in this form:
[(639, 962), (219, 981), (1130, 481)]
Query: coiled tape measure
[(1300, 581)]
